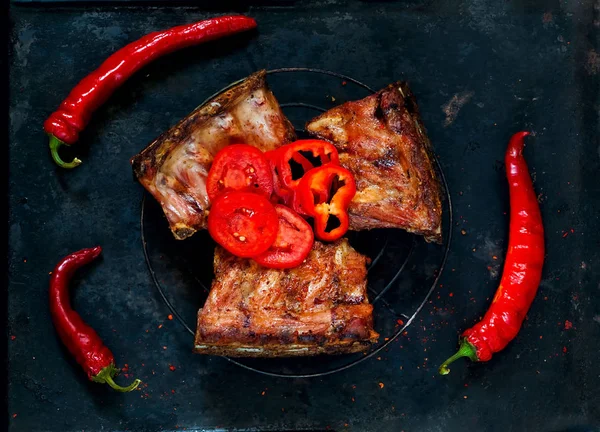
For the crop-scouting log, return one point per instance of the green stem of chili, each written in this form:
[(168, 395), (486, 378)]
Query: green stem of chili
[(466, 349), (55, 144)]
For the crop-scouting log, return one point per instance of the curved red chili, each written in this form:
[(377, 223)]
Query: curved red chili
[(65, 124), (522, 270), (80, 339)]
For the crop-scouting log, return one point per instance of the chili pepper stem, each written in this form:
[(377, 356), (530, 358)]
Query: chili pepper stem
[(466, 349), (55, 144), (106, 376)]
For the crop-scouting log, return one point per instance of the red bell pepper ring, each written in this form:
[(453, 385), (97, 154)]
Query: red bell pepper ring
[(325, 194), (64, 125), (296, 159)]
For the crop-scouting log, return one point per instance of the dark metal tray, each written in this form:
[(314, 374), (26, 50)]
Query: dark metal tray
[(480, 70)]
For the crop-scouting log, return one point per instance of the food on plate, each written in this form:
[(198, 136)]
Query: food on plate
[(324, 194), (319, 307), (80, 339), (175, 166), (522, 269), (382, 142), (239, 167), (64, 125), (244, 223), (293, 243)]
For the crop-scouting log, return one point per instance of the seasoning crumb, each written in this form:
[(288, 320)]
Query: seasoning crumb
[(263, 393), (568, 325), (164, 347), (332, 99), (463, 232), (170, 317), (13, 337), (381, 385), (465, 397), (171, 367)]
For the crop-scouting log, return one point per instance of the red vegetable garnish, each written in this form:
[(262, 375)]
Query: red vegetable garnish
[(280, 194), (296, 159), (293, 243), (239, 167), (325, 194), (244, 223), (522, 269), (79, 338), (64, 125)]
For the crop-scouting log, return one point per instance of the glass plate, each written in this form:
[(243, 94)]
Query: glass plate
[(401, 277)]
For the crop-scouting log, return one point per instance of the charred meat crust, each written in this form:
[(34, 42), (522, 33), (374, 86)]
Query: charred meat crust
[(382, 141), (279, 350), (319, 307), (154, 155)]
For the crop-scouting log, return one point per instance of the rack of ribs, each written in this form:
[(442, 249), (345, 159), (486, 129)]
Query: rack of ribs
[(381, 140), (319, 307), (174, 167)]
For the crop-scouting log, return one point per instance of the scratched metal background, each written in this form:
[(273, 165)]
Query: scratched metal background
[(481, 70)]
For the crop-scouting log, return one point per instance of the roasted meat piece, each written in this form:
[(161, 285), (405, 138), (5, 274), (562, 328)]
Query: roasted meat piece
[(174, 167), (319, 307), (382, 141)]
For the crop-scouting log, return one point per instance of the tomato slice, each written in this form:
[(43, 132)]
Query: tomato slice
[(239, 167), (293, 243), (244, 223)]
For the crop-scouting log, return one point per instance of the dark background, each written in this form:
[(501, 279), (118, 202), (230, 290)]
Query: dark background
[(481, 70)]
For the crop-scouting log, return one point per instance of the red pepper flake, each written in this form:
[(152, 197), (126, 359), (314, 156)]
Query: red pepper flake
[(353, 400), (381, 385), (566, 233), (172, 391), (125, 368), (15, 415), (164, 347), (400, 322), (24, 260), (572, 231), (160, 326), (463, 232), (13, 337), (494, 257), (263, 393), (451, 295), (564, 349), (172, 367), (170, 317), (568, 325)]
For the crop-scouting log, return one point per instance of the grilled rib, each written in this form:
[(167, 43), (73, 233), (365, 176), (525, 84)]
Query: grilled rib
[(174, 167), (319, 307), (382, 141)]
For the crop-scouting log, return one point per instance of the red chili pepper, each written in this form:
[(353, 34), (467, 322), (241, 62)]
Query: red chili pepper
[(325, 194), (65, 124), (522, 270), (80, 339)]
